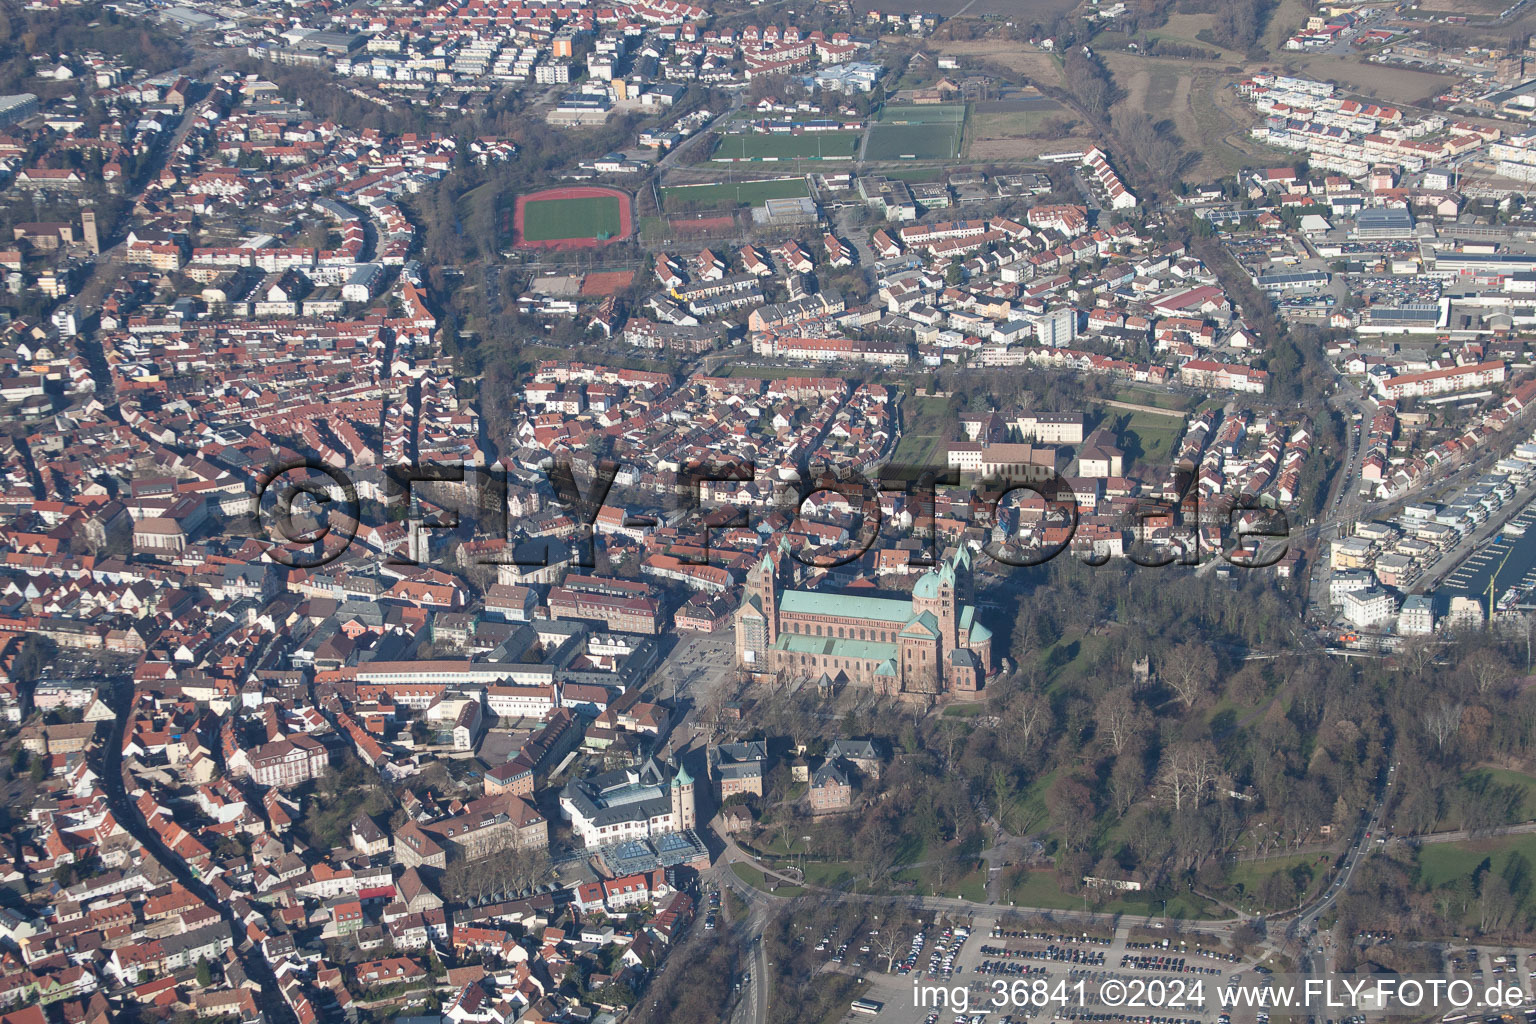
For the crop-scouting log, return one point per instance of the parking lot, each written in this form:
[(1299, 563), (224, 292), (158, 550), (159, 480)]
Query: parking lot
[(973, 965)]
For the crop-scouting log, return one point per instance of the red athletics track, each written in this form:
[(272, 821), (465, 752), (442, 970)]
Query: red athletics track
[(626, 217)]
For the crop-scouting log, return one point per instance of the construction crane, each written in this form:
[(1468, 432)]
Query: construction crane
[(1494, 579)]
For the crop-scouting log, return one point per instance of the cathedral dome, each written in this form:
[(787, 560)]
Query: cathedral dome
[(927, 587)]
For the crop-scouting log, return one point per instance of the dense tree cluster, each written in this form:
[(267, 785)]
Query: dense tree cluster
[(25, 32), (1239, 23)]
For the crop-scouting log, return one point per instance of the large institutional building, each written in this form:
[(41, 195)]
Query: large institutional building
[(638, 802), (928, 645)]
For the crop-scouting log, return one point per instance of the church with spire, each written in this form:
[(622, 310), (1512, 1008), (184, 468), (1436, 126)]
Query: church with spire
[(926, 646)]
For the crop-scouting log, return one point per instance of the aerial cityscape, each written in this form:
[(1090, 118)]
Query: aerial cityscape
[(750, 512)]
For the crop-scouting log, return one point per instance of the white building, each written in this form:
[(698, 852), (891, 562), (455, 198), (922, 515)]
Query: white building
[(1348, 581), (633, 803), (1365, 609), (1417, 617)]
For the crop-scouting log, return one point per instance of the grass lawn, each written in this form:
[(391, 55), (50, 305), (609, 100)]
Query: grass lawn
[(1038, 888), (972, 886), (807, 146), (548, 220), (829, 875), (753, 877), (1027, 811), (1441, 862), (926, 426), (1250, 874), (1013, 124), (914, 141), (742, 193), (1505, 777), (1148, 439), (1066, 660)]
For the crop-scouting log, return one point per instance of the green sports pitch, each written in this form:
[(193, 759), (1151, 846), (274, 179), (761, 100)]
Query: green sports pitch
[(806, 146), (554, 220), (917, 132)]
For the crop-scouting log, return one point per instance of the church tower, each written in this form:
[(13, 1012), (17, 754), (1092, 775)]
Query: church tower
[(416, 533), (762, 583), (684, 811), (948, 611)]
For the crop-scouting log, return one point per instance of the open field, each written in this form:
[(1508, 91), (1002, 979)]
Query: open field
[(1514, 792), (943, 8), (606, 282), (926, 424), (1042, 68), (1444, 862), (1250, 874), (741, 193), (557, 219), (1016, 123), (1000, 129), (1185, 29), (1400, 86), (1148, 440), (1197, 97), (806, 146), (1470, 8), (1038, 10), (1286, 17)]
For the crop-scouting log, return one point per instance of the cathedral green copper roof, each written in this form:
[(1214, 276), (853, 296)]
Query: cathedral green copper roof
[(879, 609), (834, 647)]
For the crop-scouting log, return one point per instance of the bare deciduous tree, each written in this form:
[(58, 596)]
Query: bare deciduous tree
[(1187, 771), (1118, 717), (1442, 721), (1190, 671)]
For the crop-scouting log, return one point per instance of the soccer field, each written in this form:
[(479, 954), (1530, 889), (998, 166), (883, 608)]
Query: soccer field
[(809, 146), (549, 220), (913, 113), (911, 132), (913, 142)]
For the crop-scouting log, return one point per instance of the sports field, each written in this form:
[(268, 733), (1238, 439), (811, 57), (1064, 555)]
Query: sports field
[(917, 133), (741, 193), (807, 146), (551, 220), (572, 217)]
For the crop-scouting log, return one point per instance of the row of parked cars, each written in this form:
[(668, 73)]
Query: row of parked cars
[(908, 963), (1054, 954), (1172, 964), (941, 962), (1079, 940), (1008, 968)]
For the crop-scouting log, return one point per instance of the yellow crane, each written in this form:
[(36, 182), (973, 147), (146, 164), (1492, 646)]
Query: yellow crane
[(1494, 578)]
